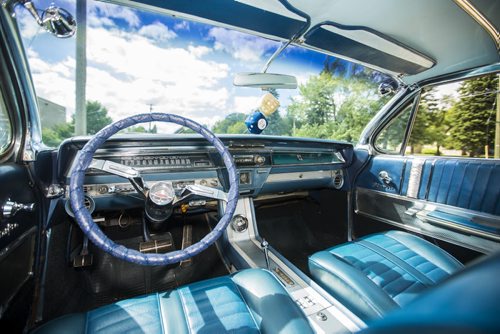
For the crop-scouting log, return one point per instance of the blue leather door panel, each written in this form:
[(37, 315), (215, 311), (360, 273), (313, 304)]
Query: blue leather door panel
[(468, 184), (453, 194), (395, 168)]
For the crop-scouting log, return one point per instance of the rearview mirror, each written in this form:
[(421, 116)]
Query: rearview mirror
[(265, 80)]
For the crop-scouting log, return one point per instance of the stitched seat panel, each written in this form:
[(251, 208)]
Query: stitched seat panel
[(136, 315), (398, 280), (216, 308)]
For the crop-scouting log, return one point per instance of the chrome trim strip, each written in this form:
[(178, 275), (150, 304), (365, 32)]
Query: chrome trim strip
[(424, 217), (443, 207), (300, 176), (411, 214), (415, 177), (481, 20), (431, 234)]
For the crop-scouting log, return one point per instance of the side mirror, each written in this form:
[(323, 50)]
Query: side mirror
[(59, 22), (265, 80), (387, 87)]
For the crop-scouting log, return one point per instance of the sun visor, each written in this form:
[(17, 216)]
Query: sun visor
[(367, 46), (237, 14)]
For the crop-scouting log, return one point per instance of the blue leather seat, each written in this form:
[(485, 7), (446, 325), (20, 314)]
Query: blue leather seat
[(250, 301), (381, 272), (465, 303)]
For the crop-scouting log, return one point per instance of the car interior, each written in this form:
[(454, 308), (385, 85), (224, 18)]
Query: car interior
[(208, 233)]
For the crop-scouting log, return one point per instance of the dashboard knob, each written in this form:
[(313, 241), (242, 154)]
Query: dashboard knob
[(239, 223), (259, 159)]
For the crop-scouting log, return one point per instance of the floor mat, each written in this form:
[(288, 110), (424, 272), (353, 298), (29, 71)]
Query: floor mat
[(70, 290)]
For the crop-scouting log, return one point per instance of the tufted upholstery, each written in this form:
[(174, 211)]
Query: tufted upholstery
[(250, 301), (381, 272), (465, 183)]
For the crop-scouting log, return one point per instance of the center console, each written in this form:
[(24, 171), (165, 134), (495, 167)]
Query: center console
[(245, 250)]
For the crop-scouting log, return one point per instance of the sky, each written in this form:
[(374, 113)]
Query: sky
[(137, 58)]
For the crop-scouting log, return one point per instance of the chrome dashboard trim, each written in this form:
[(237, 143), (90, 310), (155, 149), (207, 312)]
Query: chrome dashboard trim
[(300, 176)]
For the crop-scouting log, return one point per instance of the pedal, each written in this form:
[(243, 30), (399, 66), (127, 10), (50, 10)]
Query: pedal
[(187, 240), (85, 260), (163, 245)]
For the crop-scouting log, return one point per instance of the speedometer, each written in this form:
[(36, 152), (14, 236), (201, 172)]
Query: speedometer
[(162, 193)]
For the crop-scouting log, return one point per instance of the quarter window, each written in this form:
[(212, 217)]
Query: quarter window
[(458, 119), (390, 139)]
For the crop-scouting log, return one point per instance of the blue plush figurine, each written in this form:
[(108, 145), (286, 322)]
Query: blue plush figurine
[(256, 122)]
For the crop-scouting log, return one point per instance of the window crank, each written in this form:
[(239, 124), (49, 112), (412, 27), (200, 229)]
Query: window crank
[(10, 208)]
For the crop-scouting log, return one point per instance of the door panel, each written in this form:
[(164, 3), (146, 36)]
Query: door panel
[(17, 231), (394, 167), (457, 200)]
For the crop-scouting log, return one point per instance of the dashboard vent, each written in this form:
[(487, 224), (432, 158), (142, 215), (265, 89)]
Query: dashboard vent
[(338, 180)]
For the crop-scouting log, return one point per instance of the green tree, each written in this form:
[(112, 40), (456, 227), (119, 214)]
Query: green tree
[(97, 118), (277, 125), (335, 107), (228, 124), (473, 115), (429, 122)]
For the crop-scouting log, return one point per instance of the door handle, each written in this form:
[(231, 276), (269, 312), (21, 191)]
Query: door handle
[(384, 176)]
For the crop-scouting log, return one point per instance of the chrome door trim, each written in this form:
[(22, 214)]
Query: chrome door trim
[(412, 214)]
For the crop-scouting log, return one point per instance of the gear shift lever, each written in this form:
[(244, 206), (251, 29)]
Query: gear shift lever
[(264, 244)]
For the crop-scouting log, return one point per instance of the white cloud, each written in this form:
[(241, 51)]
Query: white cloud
[(100, 10), (183, 25), (27, 24), (127, 71), (241, 46), (99, 21), (199, 51), (55, 82), (245, 104), (157, 31)]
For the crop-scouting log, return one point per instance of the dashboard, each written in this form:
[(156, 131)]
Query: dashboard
[(266, 164)]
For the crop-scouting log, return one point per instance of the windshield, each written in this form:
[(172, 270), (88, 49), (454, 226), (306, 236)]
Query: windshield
[(139, 62)]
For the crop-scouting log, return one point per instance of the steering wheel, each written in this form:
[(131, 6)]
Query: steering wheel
[(168, 198)]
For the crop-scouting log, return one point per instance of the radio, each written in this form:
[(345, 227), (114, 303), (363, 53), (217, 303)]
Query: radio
[(250, 160)]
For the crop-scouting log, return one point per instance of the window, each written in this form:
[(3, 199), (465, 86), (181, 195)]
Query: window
[(187, 68), (5, 128), (390, 139), (458, 119)]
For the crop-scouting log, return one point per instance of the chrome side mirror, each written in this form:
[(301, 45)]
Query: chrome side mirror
[(59, 22), (388, 87)]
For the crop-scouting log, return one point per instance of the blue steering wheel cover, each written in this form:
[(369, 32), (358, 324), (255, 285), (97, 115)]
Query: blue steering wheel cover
[(92, 230)]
